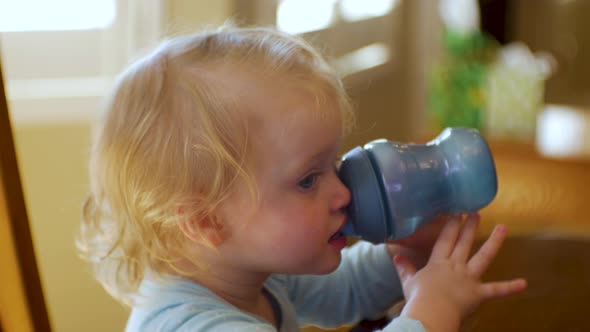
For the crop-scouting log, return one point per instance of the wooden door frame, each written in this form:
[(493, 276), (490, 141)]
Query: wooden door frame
[(19, 260)]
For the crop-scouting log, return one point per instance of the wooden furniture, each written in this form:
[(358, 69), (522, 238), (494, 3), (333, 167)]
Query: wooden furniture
[(557, 269), (539, 195), (544, 203), (22, 305)]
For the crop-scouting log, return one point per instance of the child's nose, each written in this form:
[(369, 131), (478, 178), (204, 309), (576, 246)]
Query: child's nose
[(343, 195)]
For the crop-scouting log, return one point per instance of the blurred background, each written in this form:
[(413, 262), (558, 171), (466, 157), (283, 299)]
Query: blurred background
[(410, 66)]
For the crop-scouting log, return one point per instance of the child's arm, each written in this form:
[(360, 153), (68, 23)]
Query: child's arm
[(449, 288), (365, 285)]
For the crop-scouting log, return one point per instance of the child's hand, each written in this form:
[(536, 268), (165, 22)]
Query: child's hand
[(448, 288), (418, 246)]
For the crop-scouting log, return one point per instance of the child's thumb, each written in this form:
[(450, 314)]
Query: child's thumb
[(405, 269)]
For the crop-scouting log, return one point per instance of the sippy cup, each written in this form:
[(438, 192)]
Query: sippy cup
[(396, 187)]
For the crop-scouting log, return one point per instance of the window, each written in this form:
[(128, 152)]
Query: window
[(39, 15), (59, 57), (355, 10), (370, 27), (294, 16)]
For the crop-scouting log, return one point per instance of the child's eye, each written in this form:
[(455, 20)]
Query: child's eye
[(307, 182)]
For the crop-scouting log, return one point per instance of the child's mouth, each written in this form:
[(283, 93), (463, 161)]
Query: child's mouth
[(336, 236)]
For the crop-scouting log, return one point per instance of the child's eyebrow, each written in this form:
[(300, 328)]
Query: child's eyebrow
[(322, 156)]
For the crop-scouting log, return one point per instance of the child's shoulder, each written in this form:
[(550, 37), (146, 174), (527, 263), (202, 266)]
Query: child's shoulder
[(176, 304)]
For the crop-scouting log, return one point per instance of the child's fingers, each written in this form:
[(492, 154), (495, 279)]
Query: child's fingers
[(479, 263), (494, 290), (444, 245), (466, 238), (405, 269)]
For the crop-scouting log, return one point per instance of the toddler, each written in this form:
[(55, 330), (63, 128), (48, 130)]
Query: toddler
[(215, 203)]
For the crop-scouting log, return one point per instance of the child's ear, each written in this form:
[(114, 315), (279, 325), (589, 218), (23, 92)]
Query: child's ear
[(204, 230)]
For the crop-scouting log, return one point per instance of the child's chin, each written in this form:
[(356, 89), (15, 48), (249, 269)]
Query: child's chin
[(325, 265), (332, 266)]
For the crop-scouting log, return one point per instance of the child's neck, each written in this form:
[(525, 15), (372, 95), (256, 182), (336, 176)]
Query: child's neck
[(240, 288)]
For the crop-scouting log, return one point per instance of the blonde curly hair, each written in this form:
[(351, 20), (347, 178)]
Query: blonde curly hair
[(171, 140)]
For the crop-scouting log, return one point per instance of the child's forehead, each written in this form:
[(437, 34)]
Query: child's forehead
[(287, 106), (287, 114), (264, 96), (287, 120), (278, 102)]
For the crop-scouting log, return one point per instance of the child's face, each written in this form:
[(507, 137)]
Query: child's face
[(295, 143)]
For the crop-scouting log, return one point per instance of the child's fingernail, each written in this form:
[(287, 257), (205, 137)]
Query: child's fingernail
[(501, 229)]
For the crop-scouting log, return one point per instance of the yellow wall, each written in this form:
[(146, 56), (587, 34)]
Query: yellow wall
[(52, 160)]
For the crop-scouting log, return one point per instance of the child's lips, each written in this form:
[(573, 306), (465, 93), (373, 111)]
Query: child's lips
[(338, 234)]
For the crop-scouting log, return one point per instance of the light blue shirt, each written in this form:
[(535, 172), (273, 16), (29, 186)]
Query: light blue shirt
[(364, 286)]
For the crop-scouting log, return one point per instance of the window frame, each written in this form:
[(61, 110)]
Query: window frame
[(386, 29)]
